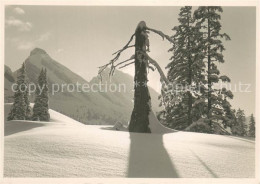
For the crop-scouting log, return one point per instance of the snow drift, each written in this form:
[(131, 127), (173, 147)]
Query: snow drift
[(67, 148)]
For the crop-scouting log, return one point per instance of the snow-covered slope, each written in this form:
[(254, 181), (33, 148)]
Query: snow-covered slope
[(67, 148)]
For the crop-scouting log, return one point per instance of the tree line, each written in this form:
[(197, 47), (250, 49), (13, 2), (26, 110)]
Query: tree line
[(21, 109)]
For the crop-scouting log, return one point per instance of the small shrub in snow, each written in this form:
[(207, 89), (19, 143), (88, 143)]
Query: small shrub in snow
[(119, 126)]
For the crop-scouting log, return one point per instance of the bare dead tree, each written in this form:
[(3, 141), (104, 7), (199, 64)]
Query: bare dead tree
[(142, 101)]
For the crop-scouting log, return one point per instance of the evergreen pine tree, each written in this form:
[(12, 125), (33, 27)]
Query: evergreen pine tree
[(208, 19), (252, 126), (21, 109), (239, 128), (227, 114), (28, 109), (38, 102), (185, 69), (41, 103), (45, 98)]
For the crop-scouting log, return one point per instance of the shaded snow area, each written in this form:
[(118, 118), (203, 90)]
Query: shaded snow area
[(67, 148)]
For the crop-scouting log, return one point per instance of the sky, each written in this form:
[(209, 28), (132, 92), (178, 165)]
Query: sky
[(84, 37)]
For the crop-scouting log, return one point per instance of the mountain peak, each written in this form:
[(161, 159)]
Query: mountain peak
[(37, 51)]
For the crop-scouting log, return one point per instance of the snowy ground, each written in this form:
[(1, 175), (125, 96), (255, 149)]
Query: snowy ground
[(66, 148)]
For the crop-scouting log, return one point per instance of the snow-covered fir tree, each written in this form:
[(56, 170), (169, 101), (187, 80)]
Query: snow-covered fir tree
[(251, 132), (186, 69), (197, 49), (227, 116), (28, 109), (41, 104), (21, 109), (239, 128), (45, 98), (208, 19)]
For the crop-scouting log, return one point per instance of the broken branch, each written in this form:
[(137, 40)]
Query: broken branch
[(126, 64), (123, 49), (161, 34), (132, 57)]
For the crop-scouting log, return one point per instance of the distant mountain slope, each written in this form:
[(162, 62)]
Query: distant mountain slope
[(88, 107), (56, 72), (8, 81)]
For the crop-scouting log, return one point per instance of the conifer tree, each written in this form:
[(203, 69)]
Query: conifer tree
[(208, 19), (239, 128), (41, 103), (227, 114), (186, 68), (38, 102), (45, 98), (28, 109), (21, 109), (252, 126)]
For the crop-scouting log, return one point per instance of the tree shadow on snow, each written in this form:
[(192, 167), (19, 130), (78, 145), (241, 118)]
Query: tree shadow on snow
[(245, 139), (113, 129), (148, 158), (107, 128), (12, 127), (213, 174)]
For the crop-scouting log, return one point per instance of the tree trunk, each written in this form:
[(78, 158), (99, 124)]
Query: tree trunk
[(142, 101), (190, 95), (209, 74), (190, 82)]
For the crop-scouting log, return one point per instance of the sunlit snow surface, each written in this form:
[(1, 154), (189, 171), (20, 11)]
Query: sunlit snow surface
[(67, 148)]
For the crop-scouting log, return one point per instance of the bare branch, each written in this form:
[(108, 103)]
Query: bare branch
[(161, 34), (152, 68), (118, 53), (112, 70), (157, 66), (132, 57), (123, 49), (113, 67), (127, 64)]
